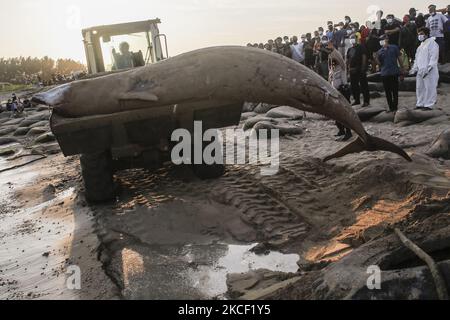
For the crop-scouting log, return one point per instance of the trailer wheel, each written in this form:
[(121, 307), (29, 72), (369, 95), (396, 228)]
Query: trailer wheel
[(208, 171), (97, 173)]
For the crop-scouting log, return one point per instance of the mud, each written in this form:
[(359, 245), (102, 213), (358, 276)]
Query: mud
[(308, 232)]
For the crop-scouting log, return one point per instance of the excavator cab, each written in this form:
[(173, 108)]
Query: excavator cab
[(124, 46)]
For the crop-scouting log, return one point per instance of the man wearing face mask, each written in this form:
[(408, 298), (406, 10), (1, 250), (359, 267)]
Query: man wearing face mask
[(436, 23), (347, 20), (392, 29), (389, 58), (357, 61), (426, 68), (330, 32), (322, 52)]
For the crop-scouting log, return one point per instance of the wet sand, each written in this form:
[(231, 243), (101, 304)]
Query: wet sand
[(171, 235)]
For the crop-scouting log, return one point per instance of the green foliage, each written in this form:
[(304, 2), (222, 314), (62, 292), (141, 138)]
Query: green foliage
[(23, 70)]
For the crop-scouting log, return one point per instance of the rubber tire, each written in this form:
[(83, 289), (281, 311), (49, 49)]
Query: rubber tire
[(205, 171), (97, 173)]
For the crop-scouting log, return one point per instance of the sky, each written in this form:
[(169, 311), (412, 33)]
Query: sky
[(53, 27)]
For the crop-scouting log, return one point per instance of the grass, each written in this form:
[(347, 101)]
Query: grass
[(15, 88)]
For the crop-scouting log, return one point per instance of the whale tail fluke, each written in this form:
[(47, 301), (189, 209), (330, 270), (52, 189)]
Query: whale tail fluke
[(372, 144)]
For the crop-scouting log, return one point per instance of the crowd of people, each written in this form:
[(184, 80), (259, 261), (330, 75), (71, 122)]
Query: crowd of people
[(346, 52), (15, 104)]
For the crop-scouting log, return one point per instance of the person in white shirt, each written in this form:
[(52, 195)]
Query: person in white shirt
[(436, 24), (297, 50), (426, 68)]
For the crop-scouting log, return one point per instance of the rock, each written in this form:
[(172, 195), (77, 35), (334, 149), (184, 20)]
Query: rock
[(441, 146), (40, 124), (417, 115), (21, 131), (367, 113), (249, 106), (264, 108), (383, 117), (247, 115), (37, 131), (7, 140), (44, 138), (285, 112)]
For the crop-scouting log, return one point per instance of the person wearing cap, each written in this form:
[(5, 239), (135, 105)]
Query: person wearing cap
[(357, 63), (389, 58), (392, 29), (426, 68), (436, 23)]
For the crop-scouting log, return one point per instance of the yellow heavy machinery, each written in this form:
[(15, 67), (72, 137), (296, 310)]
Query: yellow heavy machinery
[(106, 45)]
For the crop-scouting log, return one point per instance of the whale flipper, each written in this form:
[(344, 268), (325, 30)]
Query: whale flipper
[(373, 144)]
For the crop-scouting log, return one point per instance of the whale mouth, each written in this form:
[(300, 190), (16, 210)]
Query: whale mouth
[(52, 97)]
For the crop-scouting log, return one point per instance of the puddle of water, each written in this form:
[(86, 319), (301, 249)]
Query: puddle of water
[(210, 279)]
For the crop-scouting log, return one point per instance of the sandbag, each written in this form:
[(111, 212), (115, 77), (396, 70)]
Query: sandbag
[(416, 115), (440, 148), (383, 117), (367, 113), (285, 112), (264, 108)]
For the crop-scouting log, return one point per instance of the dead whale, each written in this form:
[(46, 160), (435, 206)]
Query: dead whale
[(219, 73)]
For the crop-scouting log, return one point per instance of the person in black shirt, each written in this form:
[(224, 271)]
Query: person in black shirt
[(309, 51), (372, 46), (420, 21), (357, 60), (392, 29)]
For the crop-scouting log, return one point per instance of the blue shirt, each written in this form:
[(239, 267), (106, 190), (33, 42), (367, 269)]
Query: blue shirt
[(388, 58)]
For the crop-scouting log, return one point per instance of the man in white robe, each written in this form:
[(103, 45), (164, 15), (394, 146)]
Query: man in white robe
[(426, 68)]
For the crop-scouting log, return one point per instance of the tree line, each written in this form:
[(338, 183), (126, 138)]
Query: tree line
[(21, 70)]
